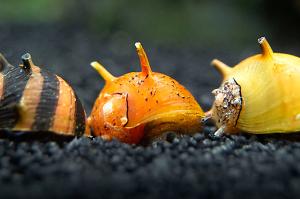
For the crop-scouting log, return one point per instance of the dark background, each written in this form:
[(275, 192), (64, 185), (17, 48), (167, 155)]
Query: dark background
[(181, 38)]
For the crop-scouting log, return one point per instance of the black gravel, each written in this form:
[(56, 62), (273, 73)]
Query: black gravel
[(201, 166)]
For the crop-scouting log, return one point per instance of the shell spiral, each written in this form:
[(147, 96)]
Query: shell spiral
[(35, 100), (259, 95)]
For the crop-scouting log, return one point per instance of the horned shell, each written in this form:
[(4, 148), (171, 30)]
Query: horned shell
[(33, 99), (259, 95), (142, 105)]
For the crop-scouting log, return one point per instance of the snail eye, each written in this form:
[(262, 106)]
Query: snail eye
[(115, 109)]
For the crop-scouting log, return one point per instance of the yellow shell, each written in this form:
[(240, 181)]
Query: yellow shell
[(259, 95)]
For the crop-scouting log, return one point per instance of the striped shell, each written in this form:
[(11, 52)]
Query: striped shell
[(35, 100), (141, 106)]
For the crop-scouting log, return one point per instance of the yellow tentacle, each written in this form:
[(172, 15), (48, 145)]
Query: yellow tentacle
[(265, 47), (107, 76), (221, 67)]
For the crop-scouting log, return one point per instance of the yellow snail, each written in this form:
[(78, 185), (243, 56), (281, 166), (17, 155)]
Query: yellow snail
[(259, 95), (142, 105)]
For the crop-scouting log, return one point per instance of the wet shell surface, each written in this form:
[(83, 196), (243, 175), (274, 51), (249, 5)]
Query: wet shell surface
[(142, 105), (35, 100), (259, 95)]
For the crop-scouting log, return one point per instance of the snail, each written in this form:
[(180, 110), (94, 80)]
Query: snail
[(141, 106), (259, 95), (35, 100)]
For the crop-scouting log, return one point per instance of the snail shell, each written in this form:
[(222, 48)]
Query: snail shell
[(259, 95), (142, 105), (33, 99)]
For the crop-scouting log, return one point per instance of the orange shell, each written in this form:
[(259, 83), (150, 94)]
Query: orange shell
[(143, 105)]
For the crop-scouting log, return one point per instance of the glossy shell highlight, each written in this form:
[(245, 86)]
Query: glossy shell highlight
[(143, 105)]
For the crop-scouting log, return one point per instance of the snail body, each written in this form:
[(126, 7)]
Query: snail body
[(259, 95), (142, 105), (35, 100)]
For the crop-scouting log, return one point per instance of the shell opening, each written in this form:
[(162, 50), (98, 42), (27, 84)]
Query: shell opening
[(146, 69), (228, 105)]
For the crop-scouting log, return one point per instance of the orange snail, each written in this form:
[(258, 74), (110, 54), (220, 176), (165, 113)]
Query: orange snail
[(35, 100), (259, 95), (142, 105)]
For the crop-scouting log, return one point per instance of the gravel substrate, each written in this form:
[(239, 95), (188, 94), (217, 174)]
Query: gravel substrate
[(201, 166), (190, 167)]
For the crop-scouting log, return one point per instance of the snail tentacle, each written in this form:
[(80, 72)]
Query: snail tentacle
[(146, 69), (265, 47), (223, 68), (27, 62), (107, 76)]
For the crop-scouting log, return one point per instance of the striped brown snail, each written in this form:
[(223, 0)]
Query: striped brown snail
[(142, 105), (33, 99), (259, 95)]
